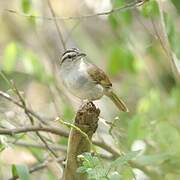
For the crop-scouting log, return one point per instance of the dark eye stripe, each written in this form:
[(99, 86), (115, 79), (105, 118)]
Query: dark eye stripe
[(70, 50), (68, 56), (70, 53)]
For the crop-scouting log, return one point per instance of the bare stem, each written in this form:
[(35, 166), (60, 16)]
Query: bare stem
[(86, 120), (56, 24)]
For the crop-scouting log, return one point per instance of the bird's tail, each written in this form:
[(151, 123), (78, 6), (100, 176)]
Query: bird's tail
[(117, 101)]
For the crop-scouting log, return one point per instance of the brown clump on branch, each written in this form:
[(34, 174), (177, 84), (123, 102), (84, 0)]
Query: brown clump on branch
[(87, 120)]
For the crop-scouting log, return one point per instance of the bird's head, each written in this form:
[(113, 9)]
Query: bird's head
[(72, 54)]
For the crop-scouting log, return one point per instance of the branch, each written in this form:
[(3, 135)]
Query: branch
[(50, 129), (56, 24), (55, 147), (166, 45), (41, 166), (126, 7), (40, 146), (64, 133), (9, 98), (45, 164), (30, 117), (57, 131), (86, 119), (107, 147)]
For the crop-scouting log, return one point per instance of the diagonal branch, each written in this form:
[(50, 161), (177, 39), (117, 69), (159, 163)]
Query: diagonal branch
[(9, 98), (30, 117), (168, 50)]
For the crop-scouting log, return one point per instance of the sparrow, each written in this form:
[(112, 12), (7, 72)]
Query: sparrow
[(85, 80)]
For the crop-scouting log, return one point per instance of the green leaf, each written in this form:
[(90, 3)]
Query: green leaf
[(127, 173), (89, 160), (122, 160), (176, 4), (113, 21), (92, 166), (81, 169), (167, 137), (150, 9), (136, 129), (34, 66), (121, 59), (68, 112), (174, 39), (20, 171), (155, 159), (2, 147), (3, 143), (115, 176), (37, 153), (10, 57), (170, 29), (117, 19), (26, 5), (175, 93)]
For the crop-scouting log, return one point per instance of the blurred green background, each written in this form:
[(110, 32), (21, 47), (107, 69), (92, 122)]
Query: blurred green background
[(130, 46)]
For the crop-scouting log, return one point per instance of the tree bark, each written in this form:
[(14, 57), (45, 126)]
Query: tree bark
[(87, 120)]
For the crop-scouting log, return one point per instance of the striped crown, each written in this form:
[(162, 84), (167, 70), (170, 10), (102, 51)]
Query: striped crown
[(71, 54)]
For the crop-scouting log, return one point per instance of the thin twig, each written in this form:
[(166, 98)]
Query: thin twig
[(107, 147), (167, 46), (35, 128), (9, 98), (55, 147), (64, 133), (126, 7), (56, 24), (41, 166), (47, 145), (72, 30), (40, 146), (158, 36), (143, 25), (23, 103), (60, 132), (45, 164)]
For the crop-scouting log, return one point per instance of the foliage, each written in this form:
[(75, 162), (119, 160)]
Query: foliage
[(32, 65), (20, 171), (93, 166)]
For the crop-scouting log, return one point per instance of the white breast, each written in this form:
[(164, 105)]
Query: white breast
[(78, 81)]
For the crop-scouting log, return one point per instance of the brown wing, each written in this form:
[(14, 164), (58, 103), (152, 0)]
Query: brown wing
[(99, 76)]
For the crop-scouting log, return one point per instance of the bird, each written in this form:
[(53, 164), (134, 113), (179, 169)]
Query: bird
[(85, 80)]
